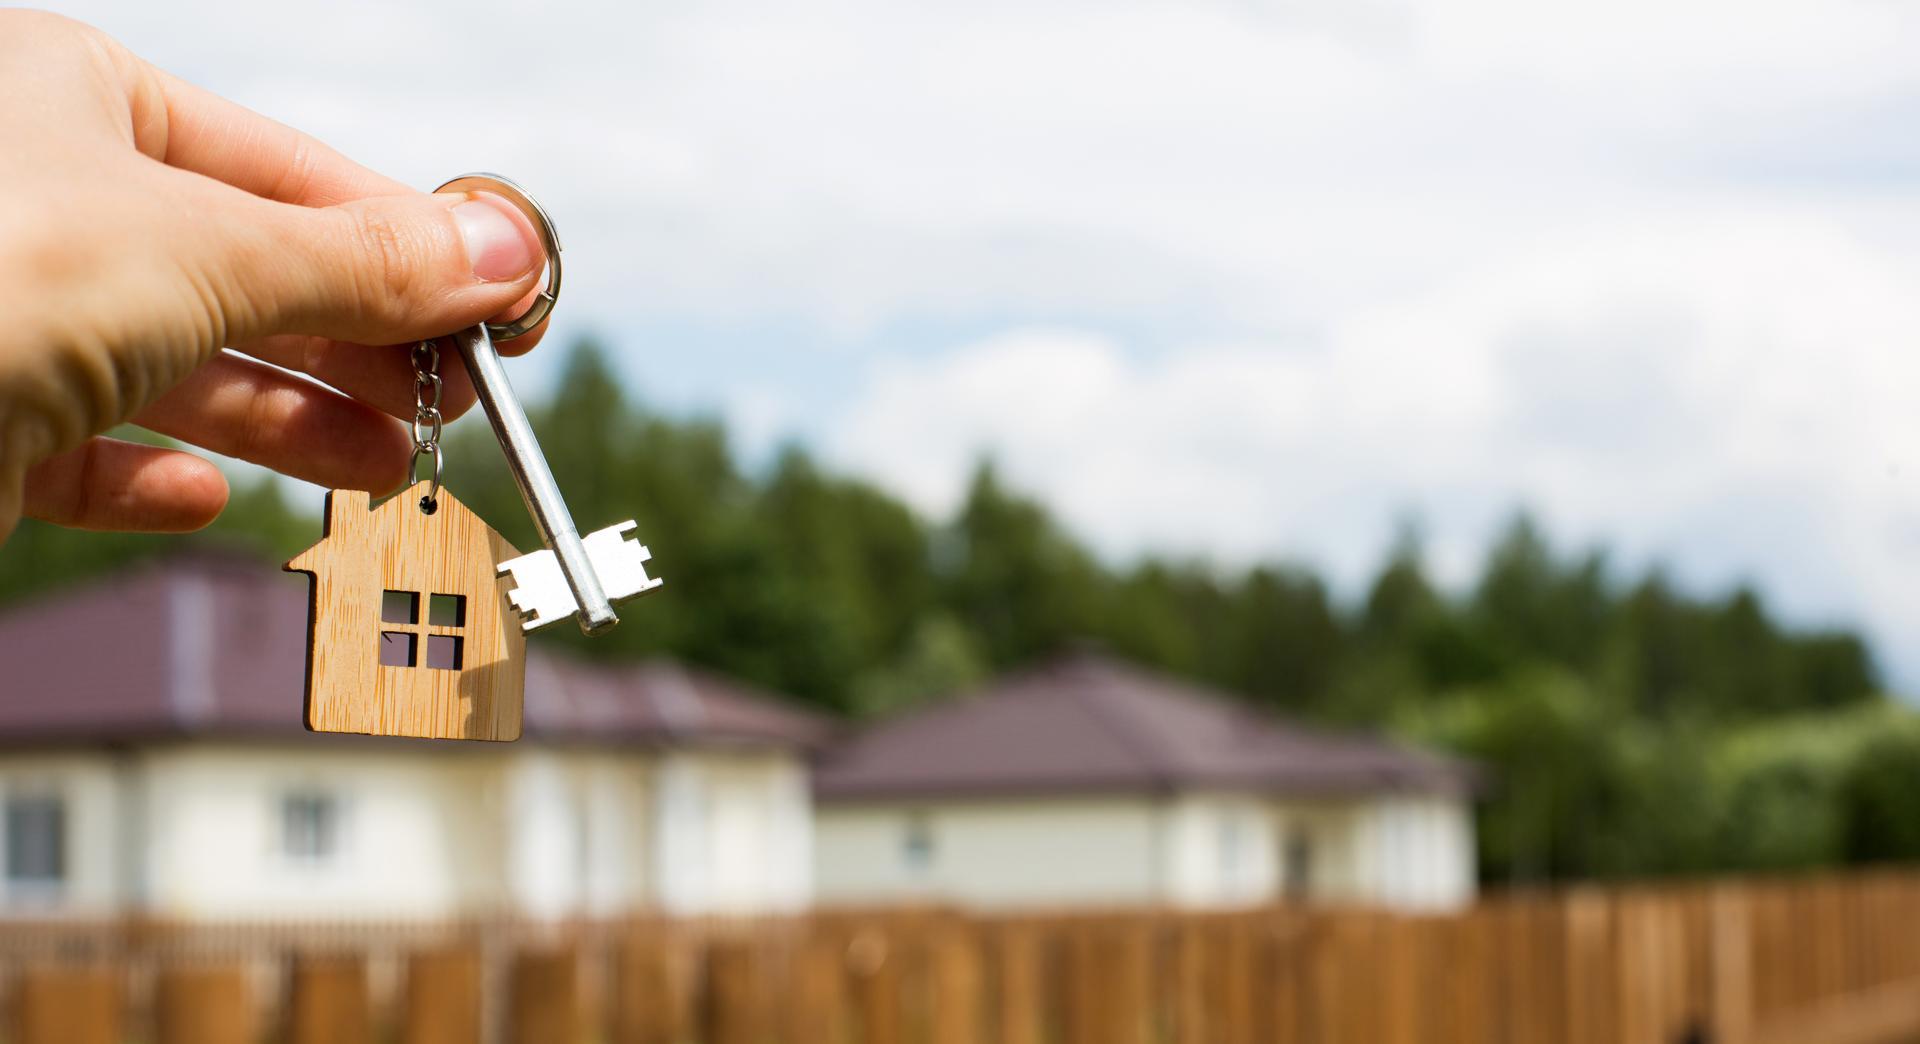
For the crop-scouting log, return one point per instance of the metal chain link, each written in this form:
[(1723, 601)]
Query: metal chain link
[(426, 418)]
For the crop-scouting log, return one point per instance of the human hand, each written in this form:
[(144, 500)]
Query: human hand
[(144, 224)]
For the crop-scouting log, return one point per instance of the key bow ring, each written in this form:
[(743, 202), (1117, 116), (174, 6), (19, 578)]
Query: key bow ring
[(549, 295)]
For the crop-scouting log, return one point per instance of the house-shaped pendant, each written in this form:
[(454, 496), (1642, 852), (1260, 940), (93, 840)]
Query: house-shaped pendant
[(409, 630)]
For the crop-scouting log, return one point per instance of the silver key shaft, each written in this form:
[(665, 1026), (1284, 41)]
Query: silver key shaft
[(534, 477)]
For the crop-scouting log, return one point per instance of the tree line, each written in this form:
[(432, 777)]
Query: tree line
[(1628, 726)]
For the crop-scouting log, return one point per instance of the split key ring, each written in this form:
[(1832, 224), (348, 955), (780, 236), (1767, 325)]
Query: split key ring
[(549, 241)]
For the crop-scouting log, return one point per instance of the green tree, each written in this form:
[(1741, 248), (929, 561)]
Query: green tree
[(1023, 587), (1880, 799)]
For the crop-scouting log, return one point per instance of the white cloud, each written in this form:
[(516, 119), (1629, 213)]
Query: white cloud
[(1732, 393), (1251, 163)]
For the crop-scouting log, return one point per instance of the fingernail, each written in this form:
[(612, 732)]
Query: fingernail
[(497, 246)]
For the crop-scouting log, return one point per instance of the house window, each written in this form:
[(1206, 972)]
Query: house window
[(916, 844), (1296, 863), (36, 840), (309, 827), (442, 641)]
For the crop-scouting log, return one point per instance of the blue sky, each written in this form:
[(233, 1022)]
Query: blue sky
[(1234, 279)]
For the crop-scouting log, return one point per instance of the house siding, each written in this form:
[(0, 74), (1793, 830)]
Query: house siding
[(736, 834), (416, 836), (1417, 853), (197, 832), (1004, 853), (1200, 850)]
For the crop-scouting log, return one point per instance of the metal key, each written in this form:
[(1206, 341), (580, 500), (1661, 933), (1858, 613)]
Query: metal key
[(567, 578)]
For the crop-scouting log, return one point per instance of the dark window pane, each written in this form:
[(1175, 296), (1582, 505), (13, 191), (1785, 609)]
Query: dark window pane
[(401, 607), (36, 839), (916, 847), (444, 651), (396, 648), (447, 611), (1296, 865), (309, 826)]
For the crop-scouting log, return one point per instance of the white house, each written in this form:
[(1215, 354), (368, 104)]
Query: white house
[(152, 760), (1091, 782)]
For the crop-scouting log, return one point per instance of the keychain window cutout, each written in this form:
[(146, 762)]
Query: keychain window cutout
[(445, 610), (399, 607), (444, 651), (396, 648)]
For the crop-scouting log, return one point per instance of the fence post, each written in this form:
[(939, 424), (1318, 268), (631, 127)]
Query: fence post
[(203, 1005), (69, 1005), (442, 1000)]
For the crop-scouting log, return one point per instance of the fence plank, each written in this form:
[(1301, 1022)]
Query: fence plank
[(877, 979), (442, 1000), (1731, 1012), (328, 1002), (1020, 985), (653, 991), (956, 988), (203, 1005), (544, 997), (731, 1000), (817, 993), (69, 1005)]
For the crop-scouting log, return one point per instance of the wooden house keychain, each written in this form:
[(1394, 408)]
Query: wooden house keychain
[(419, 610)]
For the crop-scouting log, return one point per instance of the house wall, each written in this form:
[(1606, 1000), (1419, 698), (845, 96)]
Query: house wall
[(1009, 852), (548, 831), (199, 831), (1416, 852), (1194, 850), (1220, 850), (578, 831), (417, 833), (734, 833)]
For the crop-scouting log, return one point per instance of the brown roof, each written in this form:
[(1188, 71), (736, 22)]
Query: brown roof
[(1086, 723), (213, 643)]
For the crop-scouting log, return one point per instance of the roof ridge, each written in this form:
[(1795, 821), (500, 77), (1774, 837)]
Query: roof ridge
[(1142, 744)]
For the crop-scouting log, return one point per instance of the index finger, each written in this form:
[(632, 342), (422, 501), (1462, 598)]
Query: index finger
[(209, 135)]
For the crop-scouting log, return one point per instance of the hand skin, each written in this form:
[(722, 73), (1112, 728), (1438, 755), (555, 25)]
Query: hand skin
[(144, 225)]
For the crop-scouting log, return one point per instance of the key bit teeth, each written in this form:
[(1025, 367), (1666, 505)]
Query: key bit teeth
[(541, 595), (620, 563)]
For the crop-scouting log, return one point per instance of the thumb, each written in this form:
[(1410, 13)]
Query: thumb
[(389, 269)]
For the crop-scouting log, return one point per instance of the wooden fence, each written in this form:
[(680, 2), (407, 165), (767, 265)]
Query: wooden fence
[(1827, 960)]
